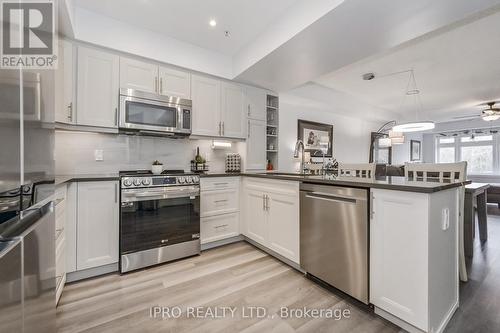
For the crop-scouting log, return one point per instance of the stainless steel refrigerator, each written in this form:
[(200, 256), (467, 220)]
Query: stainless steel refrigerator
[(27, 223)]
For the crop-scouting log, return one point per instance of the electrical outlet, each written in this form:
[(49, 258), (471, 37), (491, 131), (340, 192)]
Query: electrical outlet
[(99, 155), (445, 219)]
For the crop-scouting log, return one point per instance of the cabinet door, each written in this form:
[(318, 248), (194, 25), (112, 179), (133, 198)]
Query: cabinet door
[(206, 106), (97, 227), (65, 108), (256, 103), (97, 91), (233, 120), (175, 83), (398, 242), (256, 145), (283, 221), (138, 75), (255, 226)]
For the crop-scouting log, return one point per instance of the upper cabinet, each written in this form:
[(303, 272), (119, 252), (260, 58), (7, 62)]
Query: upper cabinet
[(149, 77), (97, 88), (174, 83), (256, 103), (65, 106), (139, 75), (206, 106), (232, 111)]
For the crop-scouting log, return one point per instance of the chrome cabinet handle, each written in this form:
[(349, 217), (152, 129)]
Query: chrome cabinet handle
[(116, 116), (221, 226), (267, 202), (217, 184), (248, 107), (219, 201), (223, 129), (70, 111), (248, 129), (220, 129), (264, 202), (161, 85)]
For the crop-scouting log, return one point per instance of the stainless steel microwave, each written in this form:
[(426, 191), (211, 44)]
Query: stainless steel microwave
[(154, 114)]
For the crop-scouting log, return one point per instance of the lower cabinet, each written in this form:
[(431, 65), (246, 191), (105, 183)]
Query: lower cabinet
[(219, 209), (270, 210), (97, 224)]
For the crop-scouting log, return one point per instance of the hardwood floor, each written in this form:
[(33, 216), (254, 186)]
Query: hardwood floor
[(480, 297), (240, 276), (237, 276)]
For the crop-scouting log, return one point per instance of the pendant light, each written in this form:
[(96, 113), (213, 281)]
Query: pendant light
[(417, 125)]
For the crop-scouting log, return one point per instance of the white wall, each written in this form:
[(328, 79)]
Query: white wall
[(401, 153), (74, 153), (351, 136)]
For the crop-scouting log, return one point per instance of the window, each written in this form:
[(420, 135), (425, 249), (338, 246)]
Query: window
[(480, 151)]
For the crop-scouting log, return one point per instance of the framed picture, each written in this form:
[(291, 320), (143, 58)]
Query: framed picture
[(415, 150), (317, 137), (379, 155)]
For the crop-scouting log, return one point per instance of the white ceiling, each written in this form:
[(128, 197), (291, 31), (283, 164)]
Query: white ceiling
[(455, 71), (187, 20)]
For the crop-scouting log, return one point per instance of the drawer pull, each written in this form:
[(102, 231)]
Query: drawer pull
[(217, 184), (221, 226), (217, 201)]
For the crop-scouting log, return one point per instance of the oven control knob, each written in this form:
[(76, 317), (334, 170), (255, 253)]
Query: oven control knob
[(137, 182), (189, 179), (127, 182), (146, 181), (196, 179), (181, 180)]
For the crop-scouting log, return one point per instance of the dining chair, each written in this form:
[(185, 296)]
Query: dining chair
[(359, 170), (445, 172)]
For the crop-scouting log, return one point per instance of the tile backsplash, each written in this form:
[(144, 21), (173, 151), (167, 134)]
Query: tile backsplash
[(75, 152)]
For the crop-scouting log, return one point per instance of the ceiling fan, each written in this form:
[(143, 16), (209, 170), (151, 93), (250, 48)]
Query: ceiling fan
[(488, 114)]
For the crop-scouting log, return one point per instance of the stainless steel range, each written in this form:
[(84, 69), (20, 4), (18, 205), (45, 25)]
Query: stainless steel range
[(159, 218)]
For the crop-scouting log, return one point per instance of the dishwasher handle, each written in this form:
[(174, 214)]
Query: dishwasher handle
[(330, 197)]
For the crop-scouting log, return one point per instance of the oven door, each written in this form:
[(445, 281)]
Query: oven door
[(152, 218)]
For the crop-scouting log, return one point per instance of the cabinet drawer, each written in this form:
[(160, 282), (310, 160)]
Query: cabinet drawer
[(222, 183), (219, 202), (60, 256), (219, 227)]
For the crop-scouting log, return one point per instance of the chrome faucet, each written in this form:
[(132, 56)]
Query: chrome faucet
[(299, 146)]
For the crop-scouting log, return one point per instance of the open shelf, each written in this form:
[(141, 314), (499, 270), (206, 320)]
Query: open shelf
[(272, 134)]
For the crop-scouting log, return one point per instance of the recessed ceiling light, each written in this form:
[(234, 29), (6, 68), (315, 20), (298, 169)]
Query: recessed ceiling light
[(212, 23)]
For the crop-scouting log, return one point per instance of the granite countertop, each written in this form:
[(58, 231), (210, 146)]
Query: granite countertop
[(86, 177), (389, 183)]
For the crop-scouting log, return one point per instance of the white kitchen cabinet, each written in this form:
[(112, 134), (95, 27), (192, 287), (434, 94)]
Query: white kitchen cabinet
[(98, 224), (139, 75), (60, 201), (271, 215), (232, 111), (206, 106), (219, 208), (97, 88), (283, 216), (174, 82), (256, 103), (414, 257), (254, 214), (256, 145), (64, 93), (219, 227)]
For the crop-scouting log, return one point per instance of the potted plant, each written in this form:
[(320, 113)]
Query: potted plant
[(157, 167)]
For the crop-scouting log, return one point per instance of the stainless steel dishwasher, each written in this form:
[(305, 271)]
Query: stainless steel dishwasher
[(334, 236)]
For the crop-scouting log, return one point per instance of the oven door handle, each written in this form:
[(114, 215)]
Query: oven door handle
[(157, 195)]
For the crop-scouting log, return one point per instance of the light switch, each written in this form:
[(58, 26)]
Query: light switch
[(99, 155), (445, 218)]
